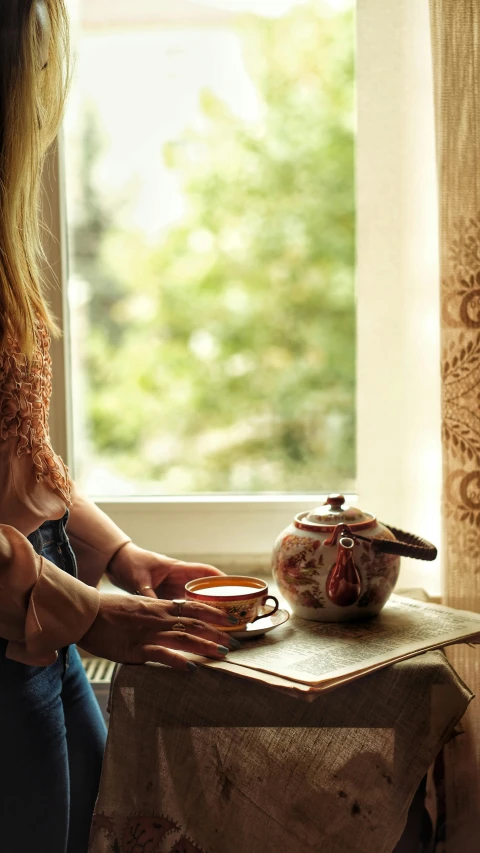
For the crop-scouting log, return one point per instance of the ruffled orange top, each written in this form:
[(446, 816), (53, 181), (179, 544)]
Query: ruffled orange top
[(42, 608)]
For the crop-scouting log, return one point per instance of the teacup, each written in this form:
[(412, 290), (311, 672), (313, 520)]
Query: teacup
[(237, 595)]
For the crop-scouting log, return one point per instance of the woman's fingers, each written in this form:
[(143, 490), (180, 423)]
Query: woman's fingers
[(200, 629), (148, 592), (203, 612), (182, 641), (159, 654), (128, 627)]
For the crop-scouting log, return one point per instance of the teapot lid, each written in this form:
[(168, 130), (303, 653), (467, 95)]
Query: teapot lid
[(334, 511)]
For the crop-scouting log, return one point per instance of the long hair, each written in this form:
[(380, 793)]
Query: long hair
[(32, 98)]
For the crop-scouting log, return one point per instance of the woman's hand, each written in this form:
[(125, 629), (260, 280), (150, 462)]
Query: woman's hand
[(133, 569), (139, 629)]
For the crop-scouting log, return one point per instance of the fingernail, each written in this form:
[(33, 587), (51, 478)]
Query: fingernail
[(233, 620), (190, 665), (223, 650), (234, 643)]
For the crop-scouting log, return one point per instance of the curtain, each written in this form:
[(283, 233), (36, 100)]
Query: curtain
[(455, 29)]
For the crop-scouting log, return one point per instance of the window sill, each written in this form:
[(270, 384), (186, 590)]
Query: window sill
[(233, 532)]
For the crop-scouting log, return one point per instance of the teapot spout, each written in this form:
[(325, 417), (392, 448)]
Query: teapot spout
[(344, 583)]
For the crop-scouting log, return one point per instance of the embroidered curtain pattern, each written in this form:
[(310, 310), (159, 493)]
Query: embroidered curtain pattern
[(455, 27)]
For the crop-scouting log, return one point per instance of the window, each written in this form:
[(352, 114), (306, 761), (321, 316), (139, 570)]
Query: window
[(396, 403), (212, 247)]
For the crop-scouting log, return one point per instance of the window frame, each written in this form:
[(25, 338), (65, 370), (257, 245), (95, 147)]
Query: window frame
[(397, 410)]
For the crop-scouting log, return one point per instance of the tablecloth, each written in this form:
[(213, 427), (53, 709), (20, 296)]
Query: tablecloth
[(211, 763)]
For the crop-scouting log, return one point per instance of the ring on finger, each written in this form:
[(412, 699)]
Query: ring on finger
[(179, 602), (179, 626)]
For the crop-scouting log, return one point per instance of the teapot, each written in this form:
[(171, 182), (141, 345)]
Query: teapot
[(337, 563)]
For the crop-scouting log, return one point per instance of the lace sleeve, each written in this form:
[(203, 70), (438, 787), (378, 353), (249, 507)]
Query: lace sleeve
[(25, 393)]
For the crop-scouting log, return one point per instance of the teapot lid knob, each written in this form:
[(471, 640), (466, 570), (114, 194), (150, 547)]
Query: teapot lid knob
[(335, 500), (334, 511)]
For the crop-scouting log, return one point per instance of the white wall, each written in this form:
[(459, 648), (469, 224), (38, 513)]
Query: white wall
[(398, 403)]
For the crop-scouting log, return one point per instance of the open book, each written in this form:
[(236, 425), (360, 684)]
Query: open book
[(311, 657)]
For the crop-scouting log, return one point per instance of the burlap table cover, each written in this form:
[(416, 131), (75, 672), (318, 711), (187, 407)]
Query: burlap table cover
[(214, 763)]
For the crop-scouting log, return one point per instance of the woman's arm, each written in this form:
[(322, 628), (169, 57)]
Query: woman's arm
[(100, 545), (42, 608), (94, 537)]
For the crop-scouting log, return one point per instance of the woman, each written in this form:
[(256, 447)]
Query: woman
[(51, 732)]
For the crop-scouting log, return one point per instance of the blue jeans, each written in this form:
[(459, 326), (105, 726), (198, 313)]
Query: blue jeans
[(52, 737)]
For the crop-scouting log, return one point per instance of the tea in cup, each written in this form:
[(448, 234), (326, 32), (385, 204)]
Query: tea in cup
[(236, 595)]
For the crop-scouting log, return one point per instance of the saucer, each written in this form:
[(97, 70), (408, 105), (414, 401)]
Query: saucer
[(262, 626)]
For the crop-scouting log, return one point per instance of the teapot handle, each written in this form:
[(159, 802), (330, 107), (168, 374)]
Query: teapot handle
[(406, 545)]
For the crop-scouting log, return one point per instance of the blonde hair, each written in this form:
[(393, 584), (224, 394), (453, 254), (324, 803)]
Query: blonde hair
[(32, 98)]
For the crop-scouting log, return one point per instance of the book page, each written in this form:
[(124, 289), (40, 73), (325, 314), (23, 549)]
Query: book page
[(317, 652), (292, 688)]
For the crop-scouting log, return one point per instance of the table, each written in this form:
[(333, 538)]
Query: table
[(213, 763)]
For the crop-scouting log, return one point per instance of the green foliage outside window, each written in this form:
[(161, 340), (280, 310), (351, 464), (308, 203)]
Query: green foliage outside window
[(222, 359)]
